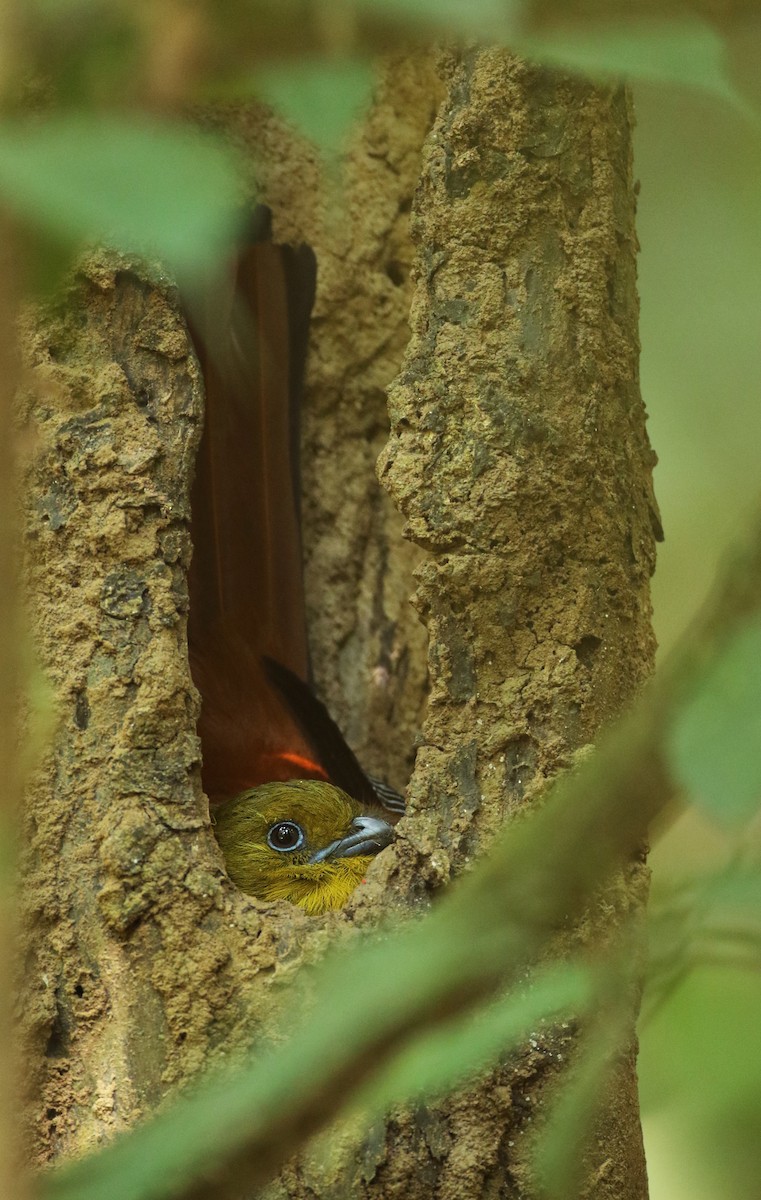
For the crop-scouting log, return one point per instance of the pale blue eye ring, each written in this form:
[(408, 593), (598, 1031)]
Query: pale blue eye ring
[(285, 836)]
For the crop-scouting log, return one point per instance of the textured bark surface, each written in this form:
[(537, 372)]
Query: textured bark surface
[(519, 457), (519, 460), (518, 452)]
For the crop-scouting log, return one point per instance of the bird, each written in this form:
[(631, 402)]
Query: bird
[(305, 841), (296, 816)]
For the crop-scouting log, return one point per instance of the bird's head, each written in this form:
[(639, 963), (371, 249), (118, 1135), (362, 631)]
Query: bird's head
[(305, 841)]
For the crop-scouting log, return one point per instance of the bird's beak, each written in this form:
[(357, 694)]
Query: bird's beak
[(367, 835)]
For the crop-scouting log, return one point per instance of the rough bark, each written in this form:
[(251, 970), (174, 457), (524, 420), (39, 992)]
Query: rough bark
[(519, 459)]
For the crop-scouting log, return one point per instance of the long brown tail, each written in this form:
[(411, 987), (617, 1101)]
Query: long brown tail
[(245, 582), (260, 721)]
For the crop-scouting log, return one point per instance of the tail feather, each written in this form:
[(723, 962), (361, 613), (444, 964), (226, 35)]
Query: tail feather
[(260, 721), (246, 571), (316, 723), (245, 579)]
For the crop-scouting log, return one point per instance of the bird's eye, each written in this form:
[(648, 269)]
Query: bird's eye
[(286, 835)]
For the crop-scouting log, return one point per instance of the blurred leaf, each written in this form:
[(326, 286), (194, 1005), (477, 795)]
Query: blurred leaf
[(735, 892), (707, 919), (702, 1049), (360, 995), (137, 185), (688, 51), (459, 1050), (715, 743), (157, 1159), (48, 262), (66, 8), (730, 910), (81, 53), (322, 98), (488, 19)]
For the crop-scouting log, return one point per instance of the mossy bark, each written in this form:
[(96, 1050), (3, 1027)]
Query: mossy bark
[(519, 460)]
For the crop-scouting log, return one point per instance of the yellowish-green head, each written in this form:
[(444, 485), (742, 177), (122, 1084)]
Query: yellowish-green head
[(304, 841)]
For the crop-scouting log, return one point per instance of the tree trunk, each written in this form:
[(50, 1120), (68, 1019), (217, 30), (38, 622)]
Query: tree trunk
[(518, 457)]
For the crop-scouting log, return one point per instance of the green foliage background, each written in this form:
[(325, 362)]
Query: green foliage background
[(699, 163), (80, 161)]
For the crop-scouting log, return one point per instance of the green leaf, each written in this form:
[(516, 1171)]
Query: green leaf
[(688, 52), (713, 918), (140, 186), (161, 1157), (360, 994), (700, 1081), (734, 895), (715, 744), (702, 1050), (462, 1049), (321, 98), (490, 19)]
